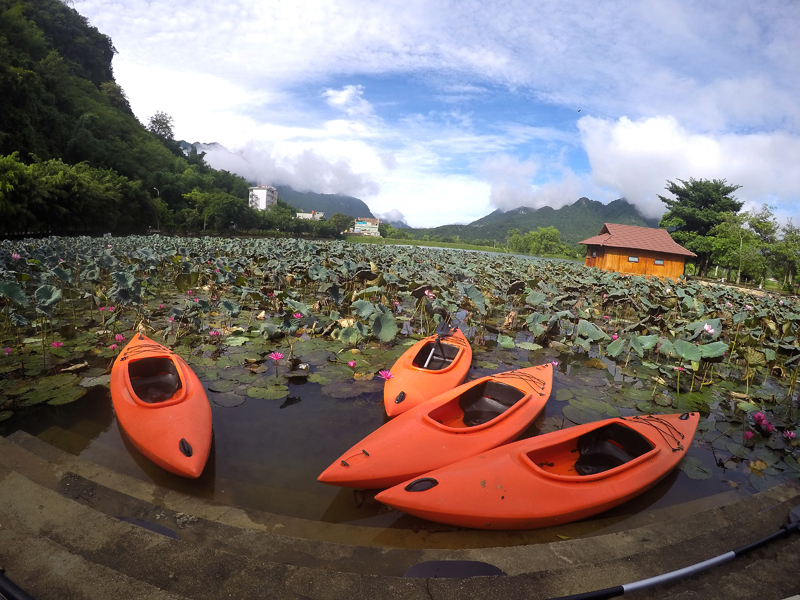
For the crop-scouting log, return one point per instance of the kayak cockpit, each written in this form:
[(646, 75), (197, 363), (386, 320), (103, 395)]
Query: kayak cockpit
[(595, 453), (435, 356), (477, 406), (154, 379)]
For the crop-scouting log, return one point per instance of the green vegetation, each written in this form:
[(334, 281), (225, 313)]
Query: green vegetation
[(73, 157), (226, 304)]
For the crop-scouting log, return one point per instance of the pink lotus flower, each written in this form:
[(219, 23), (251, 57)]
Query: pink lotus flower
[(606, 317), (605, 295), (8, 351), (384, 374), (747, 436), (110, 309), (759, 417), (678, 369), (119, 337), (160, 306), (615, 336), (110, 246), (769, 427), (554, 363), (15, 256), (57, 344), (112, 347), (197, 300), (352, 364), (102, 308), (429, 294), (214, 333), (190, 292), (789, 435), (171, 319), (297, 316), (748, 307), (728, 304), (276, 356)]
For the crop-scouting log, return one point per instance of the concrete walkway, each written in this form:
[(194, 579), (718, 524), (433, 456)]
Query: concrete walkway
[(60, 537)]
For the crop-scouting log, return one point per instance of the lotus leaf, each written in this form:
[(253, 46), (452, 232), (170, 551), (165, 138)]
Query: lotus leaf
[(694, 468), (227, 399), (273, 391), (384, 326), (14, 292), (528, 346), (687, 351), (505, 341), (563, 394), (581, 416), (65, 395), (104, 380), (713, 350)]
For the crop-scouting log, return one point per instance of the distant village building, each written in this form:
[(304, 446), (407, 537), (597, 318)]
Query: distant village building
[(263, 196), (636, 250), (312, 216), (367, 227)]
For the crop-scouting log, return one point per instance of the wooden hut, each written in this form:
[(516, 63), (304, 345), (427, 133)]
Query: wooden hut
[(636, 250)]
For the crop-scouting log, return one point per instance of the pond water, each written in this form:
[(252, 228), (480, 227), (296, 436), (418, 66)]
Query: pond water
[(267, 453)]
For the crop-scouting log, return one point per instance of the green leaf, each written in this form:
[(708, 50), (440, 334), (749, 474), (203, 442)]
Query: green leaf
[(614, 349), (14, 292), (687, 351), (298, 307), (693, 467), (590, 331), (713, 350), (364, 308), (6, 414), (528, 346), (384, 327), (273, 392), (66, 395), (535, 298), (505, 341), (563, 394), (47, 295)]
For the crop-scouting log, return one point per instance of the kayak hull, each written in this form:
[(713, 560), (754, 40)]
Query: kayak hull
[(413, 383), (469, 419), (162, 407), (535, 482)]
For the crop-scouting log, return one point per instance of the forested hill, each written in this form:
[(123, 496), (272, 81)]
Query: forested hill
[(74, 158), (575, 222), (329, 204)]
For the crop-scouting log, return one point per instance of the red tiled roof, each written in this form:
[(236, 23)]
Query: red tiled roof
[(639, 238)]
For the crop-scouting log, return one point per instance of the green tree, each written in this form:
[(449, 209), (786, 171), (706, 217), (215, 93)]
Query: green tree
[(161, 125), (786, 254), (340, 222), (733, 244), (697, 207)]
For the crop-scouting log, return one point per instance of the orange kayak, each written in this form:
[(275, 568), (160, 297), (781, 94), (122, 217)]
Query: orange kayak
[(162, 406), (553, 478), (472, 418), (433, 365)]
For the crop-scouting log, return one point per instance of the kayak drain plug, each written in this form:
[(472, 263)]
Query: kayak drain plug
[(400, 397), (186, 447), (422, 484)]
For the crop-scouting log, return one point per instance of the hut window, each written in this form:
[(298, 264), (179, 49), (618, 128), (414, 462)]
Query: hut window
[(659, 261), (594, 253), (633, 259)]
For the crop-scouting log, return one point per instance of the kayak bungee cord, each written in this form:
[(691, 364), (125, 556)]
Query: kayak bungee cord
[(669, 430), (786, 529), (531, 380)]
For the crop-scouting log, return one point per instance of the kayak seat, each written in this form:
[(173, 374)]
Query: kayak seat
[(154, 379), (487, 401), (443, 356), (608, 447)]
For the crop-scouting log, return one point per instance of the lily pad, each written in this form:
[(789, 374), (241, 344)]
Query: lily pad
[(223, 386), (227, 399), (694, 469), (563, 394), (65, 395), (273, 392), (104, 380), (580, 416)]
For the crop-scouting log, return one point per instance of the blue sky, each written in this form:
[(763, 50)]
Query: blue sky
[(441, 112)]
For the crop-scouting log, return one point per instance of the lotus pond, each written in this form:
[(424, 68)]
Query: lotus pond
[(339, 313)]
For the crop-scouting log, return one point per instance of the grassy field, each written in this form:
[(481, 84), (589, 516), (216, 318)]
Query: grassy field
[(357, 239)]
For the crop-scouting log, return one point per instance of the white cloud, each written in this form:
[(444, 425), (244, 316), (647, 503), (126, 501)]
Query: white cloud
[(349, 100), (637, 158)]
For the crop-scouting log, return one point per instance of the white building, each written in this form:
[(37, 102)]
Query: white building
[(263, 196), (312, 216), (367, 227)]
